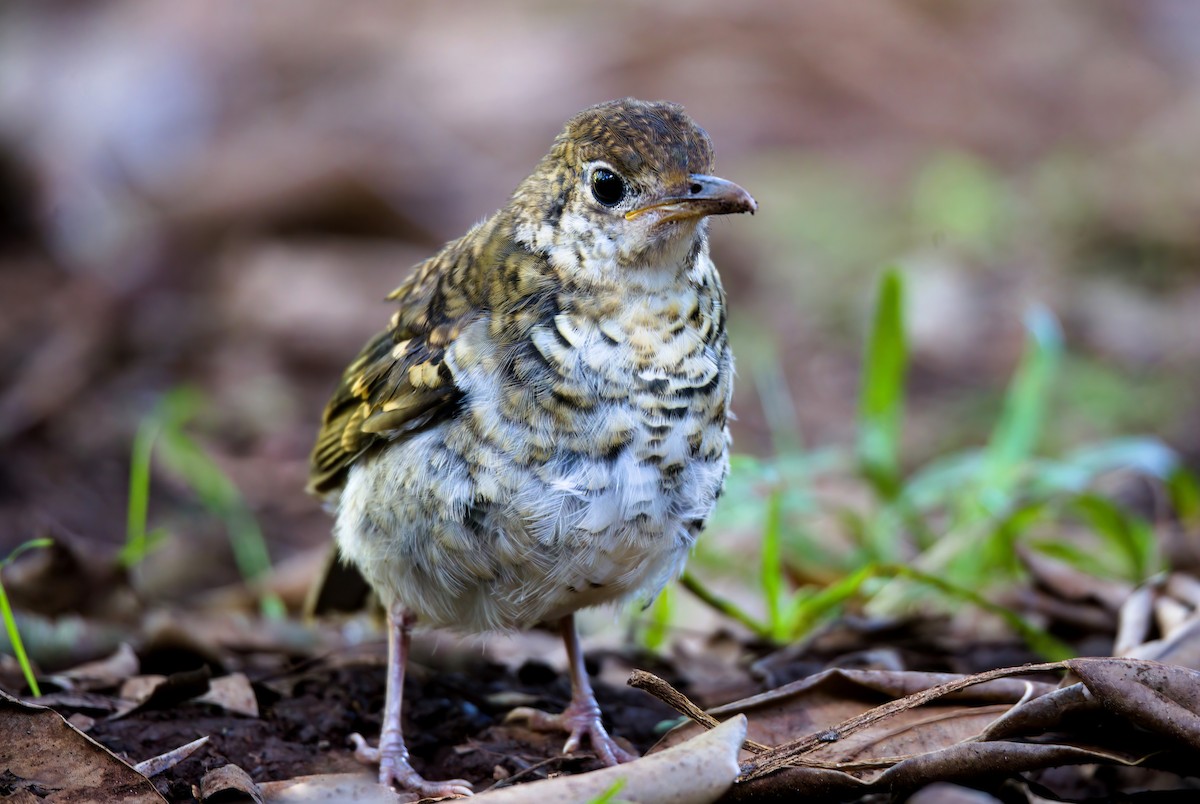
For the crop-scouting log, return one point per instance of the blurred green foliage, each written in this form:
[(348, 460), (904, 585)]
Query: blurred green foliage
[(957, 197), (941, 533), (163, 435)]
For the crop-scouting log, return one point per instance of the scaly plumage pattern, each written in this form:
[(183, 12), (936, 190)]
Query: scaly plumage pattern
[(542, 427)]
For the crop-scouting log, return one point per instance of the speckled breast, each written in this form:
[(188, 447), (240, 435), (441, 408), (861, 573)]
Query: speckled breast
[(585, 460)]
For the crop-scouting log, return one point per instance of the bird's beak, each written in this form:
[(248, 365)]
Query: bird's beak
[(702, 196)]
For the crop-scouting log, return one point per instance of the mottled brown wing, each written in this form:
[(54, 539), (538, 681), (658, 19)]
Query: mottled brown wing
[(399, 384)]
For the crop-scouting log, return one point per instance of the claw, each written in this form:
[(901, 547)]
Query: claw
[(579, 721), (395, 771), (582, 717)]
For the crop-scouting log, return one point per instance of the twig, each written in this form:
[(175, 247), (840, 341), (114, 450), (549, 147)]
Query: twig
[(675, 699), (790, 753)]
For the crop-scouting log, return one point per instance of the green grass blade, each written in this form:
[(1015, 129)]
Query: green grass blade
[(723, 606), (216, 491), (1148, 456), (655, 634), (218, 494), (18, 647), (1129, 536), (1184, 490), (10, 620), (807, 611), (1016, 434), (136, 538), (609, 796), (938, 482), (881, 400), (31, 544), (771, 572)]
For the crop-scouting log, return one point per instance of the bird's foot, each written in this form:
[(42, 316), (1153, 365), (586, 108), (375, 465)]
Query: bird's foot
[(580, 719), (394, 770)]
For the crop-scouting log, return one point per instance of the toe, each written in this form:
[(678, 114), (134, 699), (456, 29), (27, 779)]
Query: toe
[(581, 726), (363, 752), (409, 780), (395, 772)]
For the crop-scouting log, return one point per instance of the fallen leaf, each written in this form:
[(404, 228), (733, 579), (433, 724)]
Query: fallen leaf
[(104, 673), (162, 692), (694, 772), (227, 782), (1161, 698), (163, 762), (43, 753), (232, 693)]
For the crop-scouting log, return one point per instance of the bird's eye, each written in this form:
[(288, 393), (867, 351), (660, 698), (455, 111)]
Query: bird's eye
[(607, 187)]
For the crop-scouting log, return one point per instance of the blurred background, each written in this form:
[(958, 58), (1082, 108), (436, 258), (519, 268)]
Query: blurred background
[(218, 197)]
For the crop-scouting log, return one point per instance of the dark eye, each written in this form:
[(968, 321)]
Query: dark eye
[(607, 187)]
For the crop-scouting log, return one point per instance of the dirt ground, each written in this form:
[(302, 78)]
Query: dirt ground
[(453, 726)]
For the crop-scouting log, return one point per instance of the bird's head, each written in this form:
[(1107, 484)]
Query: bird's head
[(625, 188)]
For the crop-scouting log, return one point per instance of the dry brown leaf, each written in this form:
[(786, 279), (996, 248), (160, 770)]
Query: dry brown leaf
[(898, 747), (38, 748), (1160, 621), (693, 772), (162, 692), (1161, 698), (232, 693), (227, 781), (1068, 583), (1041, 714), (105, 673)]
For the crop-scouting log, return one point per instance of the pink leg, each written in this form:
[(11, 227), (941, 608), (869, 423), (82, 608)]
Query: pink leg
[(581, 718), (392, 755)]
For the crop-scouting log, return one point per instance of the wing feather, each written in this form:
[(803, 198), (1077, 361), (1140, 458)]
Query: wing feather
[(399, 384)]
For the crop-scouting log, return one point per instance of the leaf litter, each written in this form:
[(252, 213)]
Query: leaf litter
[(262, 716)]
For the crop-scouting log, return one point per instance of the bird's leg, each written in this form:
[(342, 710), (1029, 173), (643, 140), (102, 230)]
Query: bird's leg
[(392, 754), (581, 718)]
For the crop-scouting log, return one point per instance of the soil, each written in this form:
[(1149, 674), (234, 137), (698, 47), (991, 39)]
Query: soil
[(453, 726)]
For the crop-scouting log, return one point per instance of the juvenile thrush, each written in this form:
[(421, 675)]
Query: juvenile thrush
[(542, 426)]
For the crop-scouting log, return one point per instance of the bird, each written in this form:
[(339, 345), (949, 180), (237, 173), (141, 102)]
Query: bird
[(542, 426)]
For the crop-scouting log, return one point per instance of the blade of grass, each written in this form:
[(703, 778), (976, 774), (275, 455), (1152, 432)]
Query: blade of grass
[(771, 572), (10, 620), (881, 400), (173, 410), (779, 409), (1132, 538), (136, 540), (723, 606), (938, 482), (18, 647), (655, 634), (1085, 560), (1184, 489), (163, 435), (219, 495), (609, 796), (1018, 430), (1149, 456), (806, 611)]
